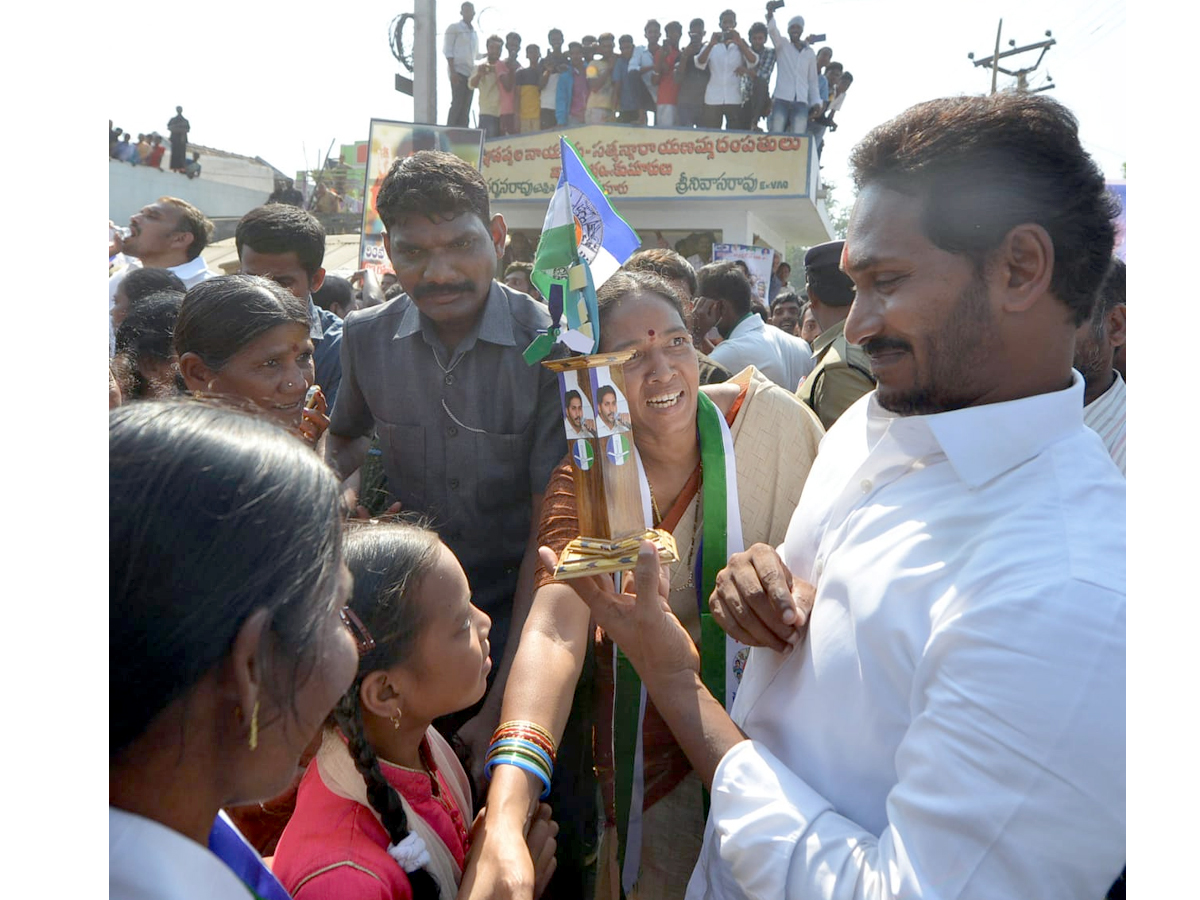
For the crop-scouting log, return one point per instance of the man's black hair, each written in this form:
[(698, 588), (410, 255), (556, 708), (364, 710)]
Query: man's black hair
[(984, 165), (283, 228), (434, 184)]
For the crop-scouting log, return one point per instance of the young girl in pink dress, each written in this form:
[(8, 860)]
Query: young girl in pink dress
[(384, 808)]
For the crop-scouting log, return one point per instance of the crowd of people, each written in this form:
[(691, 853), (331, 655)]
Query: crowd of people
[(718, 79), (149, 149), (889, 660)]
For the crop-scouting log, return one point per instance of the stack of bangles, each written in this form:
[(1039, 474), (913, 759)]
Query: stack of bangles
[(525, 745)]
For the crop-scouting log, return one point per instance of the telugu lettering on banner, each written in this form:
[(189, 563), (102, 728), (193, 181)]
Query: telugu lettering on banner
[(652, 163)]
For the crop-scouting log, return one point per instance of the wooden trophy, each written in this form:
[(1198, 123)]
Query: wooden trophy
[(608, 494)]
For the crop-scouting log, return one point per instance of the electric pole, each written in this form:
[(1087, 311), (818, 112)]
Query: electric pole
[(420, 60), (1022, 75)]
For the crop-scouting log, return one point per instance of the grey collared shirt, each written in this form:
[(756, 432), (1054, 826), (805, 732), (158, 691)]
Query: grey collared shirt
[(468, 438)]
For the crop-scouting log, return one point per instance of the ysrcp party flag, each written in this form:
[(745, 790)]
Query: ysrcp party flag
[(583, 454), (584, 241), (618, 449)]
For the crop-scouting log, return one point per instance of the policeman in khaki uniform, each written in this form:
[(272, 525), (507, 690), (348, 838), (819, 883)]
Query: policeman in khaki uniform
[(843, 371)]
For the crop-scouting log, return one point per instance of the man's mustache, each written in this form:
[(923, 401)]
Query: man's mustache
[(878, 345), (430, 291)]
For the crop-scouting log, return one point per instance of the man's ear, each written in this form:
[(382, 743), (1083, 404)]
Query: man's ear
[(1024, 266), (499, 233), (318, 279), (1115, 325), (196, 375), (182, 239)]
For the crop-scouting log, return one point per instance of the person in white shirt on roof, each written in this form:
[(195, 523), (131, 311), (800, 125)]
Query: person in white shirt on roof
[(1095, 343), (461, 49), (727, 51), (797, 88), (935, 705), (748, 340)]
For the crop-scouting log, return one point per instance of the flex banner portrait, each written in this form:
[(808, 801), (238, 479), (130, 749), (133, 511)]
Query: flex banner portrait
[(388, 142), (652, 163), (757, 259)]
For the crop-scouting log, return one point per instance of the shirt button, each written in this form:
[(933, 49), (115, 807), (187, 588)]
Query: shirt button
[(452, 430), (449, 378), (453, 484), (866, 486), (819, 566)]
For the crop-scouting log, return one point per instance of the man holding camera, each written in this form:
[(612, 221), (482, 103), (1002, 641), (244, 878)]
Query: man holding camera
[(726, 53), (797, 89)]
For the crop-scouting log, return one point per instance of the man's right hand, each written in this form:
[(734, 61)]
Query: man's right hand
[(758, 602)]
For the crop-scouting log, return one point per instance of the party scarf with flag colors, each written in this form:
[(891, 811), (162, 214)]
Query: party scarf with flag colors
[(584, 242)]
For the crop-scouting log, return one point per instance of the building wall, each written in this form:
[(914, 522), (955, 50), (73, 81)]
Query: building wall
[(132, 187)]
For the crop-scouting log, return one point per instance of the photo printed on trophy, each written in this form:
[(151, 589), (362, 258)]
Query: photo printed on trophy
[(612, 409), (579, 421)]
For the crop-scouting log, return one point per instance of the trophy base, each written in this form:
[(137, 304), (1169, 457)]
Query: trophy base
[(597, 556)]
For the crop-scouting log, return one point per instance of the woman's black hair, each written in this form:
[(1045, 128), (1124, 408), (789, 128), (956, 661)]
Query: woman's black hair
[(222, 315), (141, 283), (386, 561), (625, 283), (147, 333), (213, 514)]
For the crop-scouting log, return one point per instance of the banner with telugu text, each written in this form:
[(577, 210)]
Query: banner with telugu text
[(652, 163)]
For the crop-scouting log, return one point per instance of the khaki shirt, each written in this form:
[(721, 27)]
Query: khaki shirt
[(841, 375)]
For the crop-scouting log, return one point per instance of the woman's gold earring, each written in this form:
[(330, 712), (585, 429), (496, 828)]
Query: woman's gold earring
[(396, 719), (254, 727)]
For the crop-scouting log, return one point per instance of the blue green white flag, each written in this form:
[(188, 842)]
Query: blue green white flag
[(584, 242)]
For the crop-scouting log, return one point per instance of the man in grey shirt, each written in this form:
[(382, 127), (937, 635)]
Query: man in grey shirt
[(468, 430)]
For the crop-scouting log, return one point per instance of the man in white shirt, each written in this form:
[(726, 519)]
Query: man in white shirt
[(748, 340), (608, 421), (573, 421), (797, 87), (952, 723), (168, 234), (727, 51), (1095, 343), (461, 49)]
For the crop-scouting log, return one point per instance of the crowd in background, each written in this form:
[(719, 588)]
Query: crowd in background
[(772, 78), (149, 149)]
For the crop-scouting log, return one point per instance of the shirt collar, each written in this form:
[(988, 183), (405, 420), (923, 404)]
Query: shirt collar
[(494, 326), (315, 330), (828, 336), (983, 442), (752, 321), (188, 269)]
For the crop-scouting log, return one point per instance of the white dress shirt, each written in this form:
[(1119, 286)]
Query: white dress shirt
[(461, 47), (149, 861), (782, 357), (797, 80), (642, 62), (724, 84), (1106, 416), (954, 724)]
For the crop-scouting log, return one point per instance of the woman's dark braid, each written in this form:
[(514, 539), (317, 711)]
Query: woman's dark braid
[(384, 798)]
